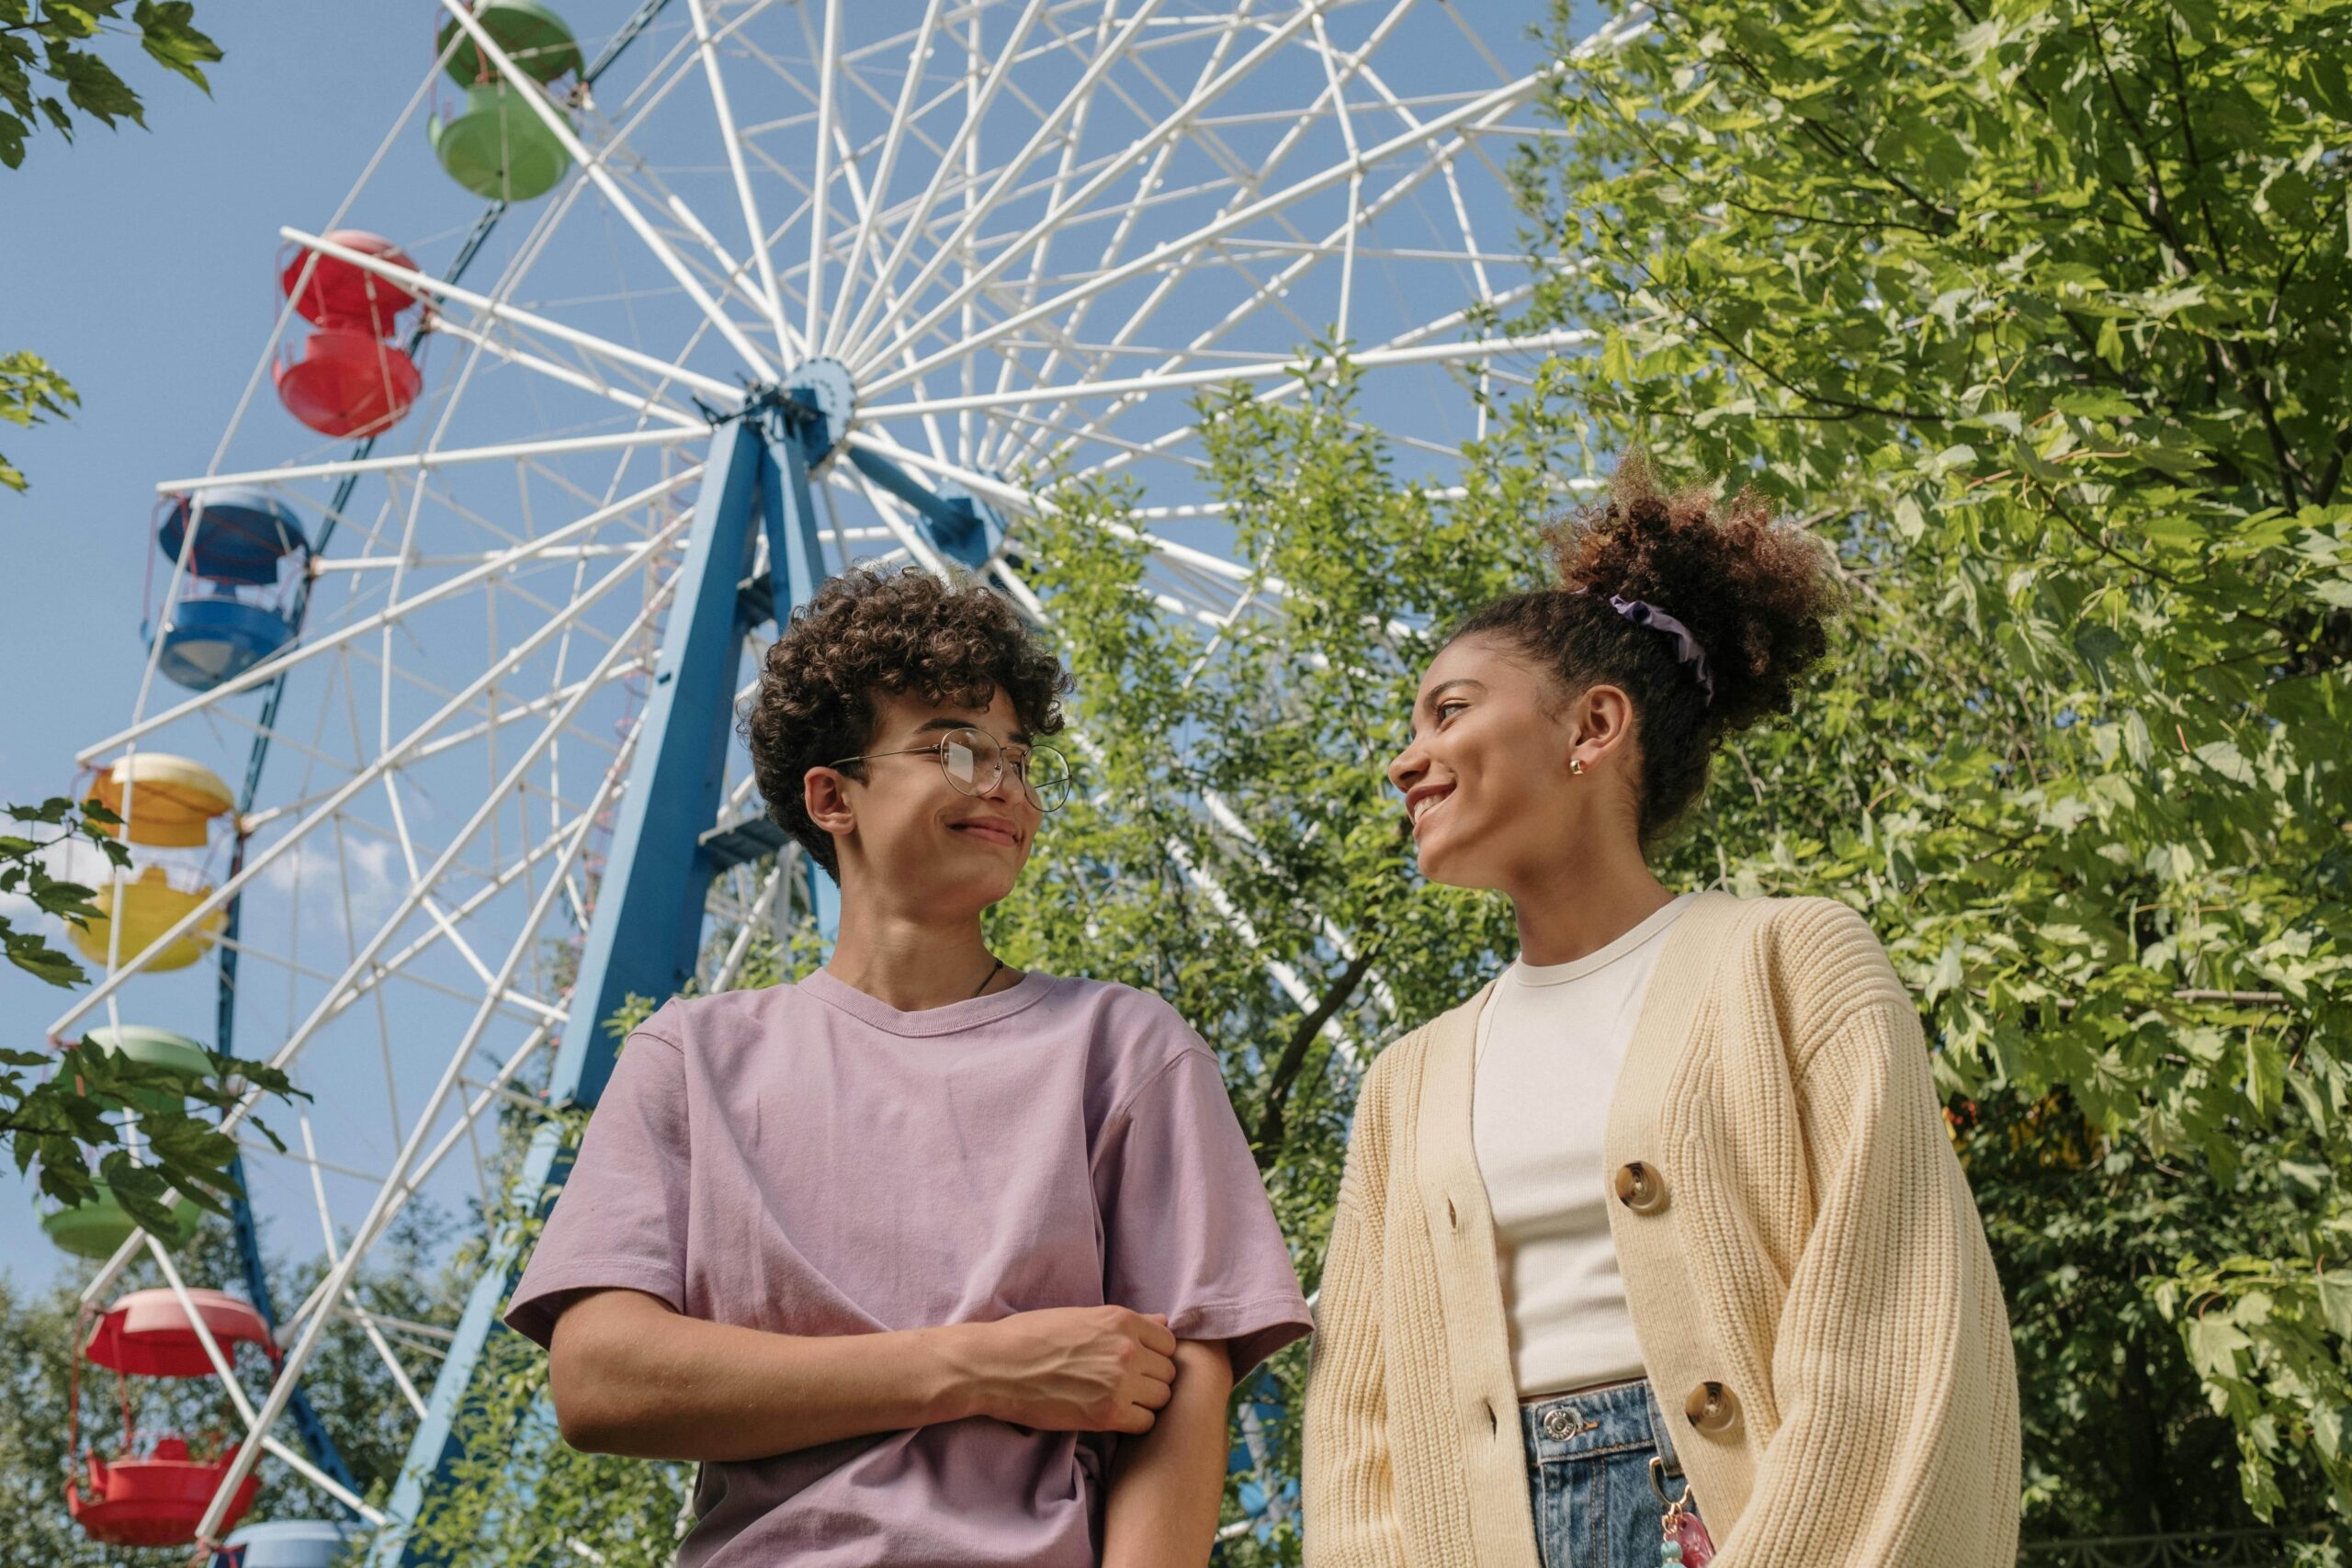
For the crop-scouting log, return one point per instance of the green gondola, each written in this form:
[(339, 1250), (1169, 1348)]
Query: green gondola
[(497, 146)]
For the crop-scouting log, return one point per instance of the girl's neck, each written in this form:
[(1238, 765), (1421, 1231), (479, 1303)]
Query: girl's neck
[(1582, 903)]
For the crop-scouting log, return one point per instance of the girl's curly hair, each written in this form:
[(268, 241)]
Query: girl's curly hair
[(903, 632), (1756, 595)]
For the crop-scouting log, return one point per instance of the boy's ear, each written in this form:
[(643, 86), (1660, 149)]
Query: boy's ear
[(827, 801)]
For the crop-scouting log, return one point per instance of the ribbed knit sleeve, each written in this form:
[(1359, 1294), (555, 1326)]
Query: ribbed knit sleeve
[(1892, 1368), (1347, 1479)]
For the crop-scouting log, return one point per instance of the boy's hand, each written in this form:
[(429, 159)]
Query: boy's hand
[(1068, 1368)]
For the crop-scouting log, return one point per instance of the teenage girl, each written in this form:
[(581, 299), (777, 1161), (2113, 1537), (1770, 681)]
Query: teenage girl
[(1659, 1237)]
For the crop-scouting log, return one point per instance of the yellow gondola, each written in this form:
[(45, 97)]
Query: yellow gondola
[(167, 801), (148, 906)]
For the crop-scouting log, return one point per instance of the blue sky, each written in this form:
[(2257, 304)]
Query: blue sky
[(141, 263)]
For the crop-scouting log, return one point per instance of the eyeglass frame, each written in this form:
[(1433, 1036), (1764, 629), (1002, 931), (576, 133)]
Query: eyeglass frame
[(937, 749)]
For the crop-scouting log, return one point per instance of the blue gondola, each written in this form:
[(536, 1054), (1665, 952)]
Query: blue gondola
[(284, 1543), (235, 604)]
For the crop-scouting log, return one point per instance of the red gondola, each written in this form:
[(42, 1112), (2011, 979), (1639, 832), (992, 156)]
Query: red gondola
[(348, 383), (158, 1498), (337, 293), (350, 379)]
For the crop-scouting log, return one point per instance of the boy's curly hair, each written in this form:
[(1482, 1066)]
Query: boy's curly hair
[(904, 632)]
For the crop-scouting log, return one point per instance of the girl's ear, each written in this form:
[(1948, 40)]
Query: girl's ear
[(1602, 721)]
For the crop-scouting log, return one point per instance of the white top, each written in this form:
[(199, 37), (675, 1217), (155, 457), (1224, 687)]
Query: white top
[(1550, 1039)]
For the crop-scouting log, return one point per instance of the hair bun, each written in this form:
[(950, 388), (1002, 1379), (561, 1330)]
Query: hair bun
[(1756, 596)]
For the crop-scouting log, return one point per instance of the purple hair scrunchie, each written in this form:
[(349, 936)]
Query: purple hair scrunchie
[(1685, 647)]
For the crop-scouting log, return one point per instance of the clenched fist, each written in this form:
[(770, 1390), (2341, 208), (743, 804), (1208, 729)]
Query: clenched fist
[(1068, 1368)]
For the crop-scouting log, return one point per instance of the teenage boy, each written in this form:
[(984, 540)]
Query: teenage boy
[(925, 1260)]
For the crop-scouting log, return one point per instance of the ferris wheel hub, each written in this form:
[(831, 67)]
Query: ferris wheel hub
[(816, 402)]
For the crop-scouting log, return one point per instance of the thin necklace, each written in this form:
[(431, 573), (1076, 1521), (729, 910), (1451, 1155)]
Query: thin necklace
[(992, 975)]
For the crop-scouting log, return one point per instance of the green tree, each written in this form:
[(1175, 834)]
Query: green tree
[(48, 76), (2039, 307)]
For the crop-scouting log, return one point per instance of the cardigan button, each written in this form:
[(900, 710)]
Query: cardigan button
[(1711, 1408), (1641, 1187)]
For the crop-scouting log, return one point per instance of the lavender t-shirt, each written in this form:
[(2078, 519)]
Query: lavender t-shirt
[(805, 1160)]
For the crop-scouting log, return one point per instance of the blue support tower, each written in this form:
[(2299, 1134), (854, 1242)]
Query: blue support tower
[(645, 932)]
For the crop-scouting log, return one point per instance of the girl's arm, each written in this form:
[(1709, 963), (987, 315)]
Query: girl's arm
[(1166, 1485), (1893, 1366)]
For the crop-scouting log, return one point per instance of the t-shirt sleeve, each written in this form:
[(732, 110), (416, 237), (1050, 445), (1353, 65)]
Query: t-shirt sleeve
[(620, 1222), (1187, 1229)]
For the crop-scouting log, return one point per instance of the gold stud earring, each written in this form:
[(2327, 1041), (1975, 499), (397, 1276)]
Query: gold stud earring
[(1576, 764)]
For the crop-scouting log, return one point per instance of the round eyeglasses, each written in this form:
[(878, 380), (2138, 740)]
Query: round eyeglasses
[(975, 761)]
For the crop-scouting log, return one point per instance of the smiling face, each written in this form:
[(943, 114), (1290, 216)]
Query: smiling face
[(1486, 778), (909, 838)]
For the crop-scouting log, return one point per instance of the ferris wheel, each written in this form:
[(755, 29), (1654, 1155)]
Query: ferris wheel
[(765, 287)]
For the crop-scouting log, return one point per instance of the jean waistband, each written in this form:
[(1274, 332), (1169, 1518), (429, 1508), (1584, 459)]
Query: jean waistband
[(1593, 1421)]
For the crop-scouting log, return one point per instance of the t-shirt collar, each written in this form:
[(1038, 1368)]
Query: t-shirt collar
[(952, 1018), (1522, 973)]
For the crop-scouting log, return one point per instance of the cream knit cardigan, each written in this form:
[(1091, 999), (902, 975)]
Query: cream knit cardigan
[(1816, 1253)]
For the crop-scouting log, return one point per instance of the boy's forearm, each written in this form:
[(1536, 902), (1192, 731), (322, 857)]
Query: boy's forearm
[(1166, 1485), (633, 1378)]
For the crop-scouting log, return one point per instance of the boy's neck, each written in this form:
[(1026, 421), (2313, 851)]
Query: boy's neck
[(910, 963)]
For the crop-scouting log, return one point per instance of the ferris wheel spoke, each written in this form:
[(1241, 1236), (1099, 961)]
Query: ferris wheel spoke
[(733, 275), (592, 164), (1129, 216), (302, 653), (521, 712), (442, 458), (827, 126), (490, 344), (401, 1192), (394, 755), (1260, 370), (227, 1377), (983, 98), (327, 1243), (1243, 311), (1499, 100), (511, 315), (953, 246), (756, 234), (1169, 127), (917, 54)]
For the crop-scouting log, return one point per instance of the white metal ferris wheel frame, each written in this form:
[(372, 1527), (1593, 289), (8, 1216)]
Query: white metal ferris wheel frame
[(897, 332)]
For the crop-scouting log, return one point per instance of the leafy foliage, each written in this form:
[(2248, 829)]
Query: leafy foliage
[(24, 871), (42, 55), (2037, 307), (54, 1118), (171, 1144), (30, 392)]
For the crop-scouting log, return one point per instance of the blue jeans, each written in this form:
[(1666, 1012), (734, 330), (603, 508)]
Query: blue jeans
[(1589, 1476)]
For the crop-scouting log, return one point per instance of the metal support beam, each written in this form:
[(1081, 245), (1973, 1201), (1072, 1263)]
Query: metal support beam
[(796, 566), (961, 528)]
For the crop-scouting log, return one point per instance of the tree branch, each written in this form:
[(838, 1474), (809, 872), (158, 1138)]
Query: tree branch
[(1269, 1140)]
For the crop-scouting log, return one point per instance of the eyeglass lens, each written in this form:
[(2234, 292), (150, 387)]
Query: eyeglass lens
[(973, 763)]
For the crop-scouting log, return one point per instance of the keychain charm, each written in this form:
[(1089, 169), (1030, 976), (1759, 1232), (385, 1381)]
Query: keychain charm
[(1683, 1541)]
